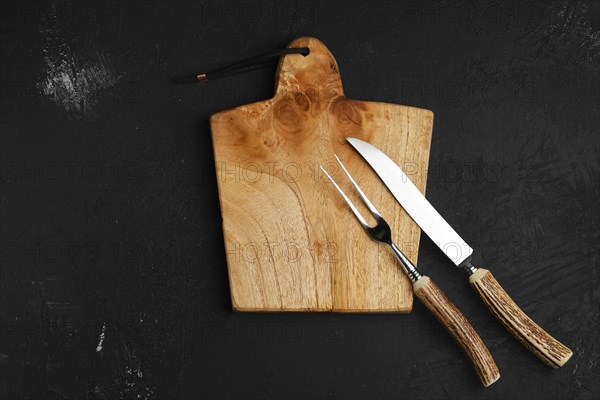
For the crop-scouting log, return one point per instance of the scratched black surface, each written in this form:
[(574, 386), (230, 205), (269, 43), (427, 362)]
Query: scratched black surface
[(114, 280)]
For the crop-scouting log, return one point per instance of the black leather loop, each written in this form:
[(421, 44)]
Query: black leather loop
[(248, 64)]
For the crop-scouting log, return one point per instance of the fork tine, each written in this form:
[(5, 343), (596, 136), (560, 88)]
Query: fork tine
[(363, 196), (348, 201)]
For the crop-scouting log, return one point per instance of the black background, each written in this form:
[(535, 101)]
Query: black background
[(110, 217)]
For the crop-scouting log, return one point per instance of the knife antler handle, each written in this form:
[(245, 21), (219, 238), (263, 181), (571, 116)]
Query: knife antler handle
[(537, 340), (460, 329)]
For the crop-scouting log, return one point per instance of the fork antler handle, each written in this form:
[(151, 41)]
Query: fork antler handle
[(537, 340), (460, 329)]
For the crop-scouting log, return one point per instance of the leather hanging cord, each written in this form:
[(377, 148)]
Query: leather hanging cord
[(248, 64)]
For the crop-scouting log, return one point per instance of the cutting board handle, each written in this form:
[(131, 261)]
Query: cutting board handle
[(315, 74)]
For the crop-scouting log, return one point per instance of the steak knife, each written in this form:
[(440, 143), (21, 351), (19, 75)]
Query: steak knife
[(531, 335)]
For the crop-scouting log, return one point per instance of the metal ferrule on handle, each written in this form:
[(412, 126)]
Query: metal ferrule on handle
[(408, 267)]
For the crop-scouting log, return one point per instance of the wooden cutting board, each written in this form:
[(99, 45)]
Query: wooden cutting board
[(292, 243)]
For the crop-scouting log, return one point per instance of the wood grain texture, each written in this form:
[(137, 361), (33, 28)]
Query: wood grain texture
[(292, 244), (537, 340), (461, 330)]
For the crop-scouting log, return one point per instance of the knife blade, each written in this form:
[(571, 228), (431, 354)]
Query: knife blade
[(415, 204), (501, 305)]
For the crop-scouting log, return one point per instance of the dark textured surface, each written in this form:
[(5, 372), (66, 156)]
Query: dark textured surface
[(113, 276)]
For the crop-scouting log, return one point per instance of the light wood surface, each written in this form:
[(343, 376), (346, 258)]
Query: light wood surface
[(537, 340), (461, 330), (292, 244)]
